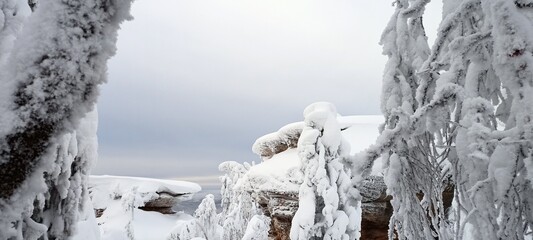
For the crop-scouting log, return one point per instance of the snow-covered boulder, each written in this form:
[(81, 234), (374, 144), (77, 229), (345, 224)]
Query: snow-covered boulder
[(279, 141)]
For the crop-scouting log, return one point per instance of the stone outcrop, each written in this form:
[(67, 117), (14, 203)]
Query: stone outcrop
[(375, 206), (274, 143), (280, 207), (376, 209), (164, 203)]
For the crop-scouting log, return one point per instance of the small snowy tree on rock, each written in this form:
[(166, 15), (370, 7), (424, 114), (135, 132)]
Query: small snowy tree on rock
[(327, 202), (233, 171), (257, 228), (206, 217), (238, 206), (204, 225)]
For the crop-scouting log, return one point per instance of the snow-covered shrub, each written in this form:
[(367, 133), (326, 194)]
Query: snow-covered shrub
[(233, 171), (206, 217), (327, 201), (238, 206), (188, 231), (204, 225), (257, 228), (237, 219), (116, 221)]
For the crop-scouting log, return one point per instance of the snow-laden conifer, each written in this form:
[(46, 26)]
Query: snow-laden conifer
[(207, 219), (233, 171), (238, 206), (188, 231), (327, 200)]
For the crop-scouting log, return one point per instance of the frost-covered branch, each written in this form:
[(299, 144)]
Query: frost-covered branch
[(471, 122)]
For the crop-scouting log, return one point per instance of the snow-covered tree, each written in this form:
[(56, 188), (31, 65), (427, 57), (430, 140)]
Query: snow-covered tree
[(188, 231), (207, 219), (204, 225), (411, 157), (130, 201), (233, 171), (238, 206), (49, 82), (461, 113), (257, 228), (327, 201), (241, 213)]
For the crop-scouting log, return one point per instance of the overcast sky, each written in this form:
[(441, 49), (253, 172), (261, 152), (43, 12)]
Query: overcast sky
[(195, 82)]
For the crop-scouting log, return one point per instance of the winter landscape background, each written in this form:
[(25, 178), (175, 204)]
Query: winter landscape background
[(448, 156)]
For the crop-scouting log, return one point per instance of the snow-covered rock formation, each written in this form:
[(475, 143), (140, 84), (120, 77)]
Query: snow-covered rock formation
[(275, 182), (154, 194)]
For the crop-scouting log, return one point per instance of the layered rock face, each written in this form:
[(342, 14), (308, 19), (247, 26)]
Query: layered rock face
[(376, 209), (375, 206), (280, 207), (163, 203)]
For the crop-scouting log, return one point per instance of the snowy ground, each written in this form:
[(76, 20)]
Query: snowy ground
[(154, 225), (121, 219)]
